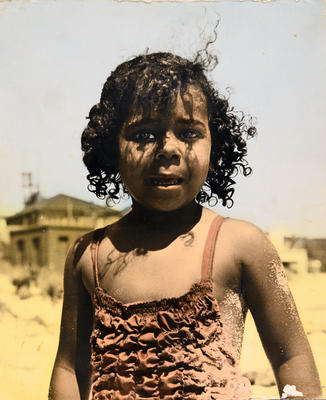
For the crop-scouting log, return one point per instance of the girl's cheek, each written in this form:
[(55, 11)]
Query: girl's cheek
[(124, 145), (127, 153), (126, 161), (134, 154), (199, 157)]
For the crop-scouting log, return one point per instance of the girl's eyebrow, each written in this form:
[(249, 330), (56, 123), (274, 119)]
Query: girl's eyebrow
[(190, 121), (141, 121), (180, 120)]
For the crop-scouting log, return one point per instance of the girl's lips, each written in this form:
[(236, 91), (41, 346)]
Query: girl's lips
[(165, 181)]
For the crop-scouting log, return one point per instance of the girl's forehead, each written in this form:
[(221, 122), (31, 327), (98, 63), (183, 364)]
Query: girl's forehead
[(193, 101), (186, 104)]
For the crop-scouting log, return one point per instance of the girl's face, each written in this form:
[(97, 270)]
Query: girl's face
[(164, 161)]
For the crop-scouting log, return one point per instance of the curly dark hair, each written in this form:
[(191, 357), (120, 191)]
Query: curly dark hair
[(152, 82)]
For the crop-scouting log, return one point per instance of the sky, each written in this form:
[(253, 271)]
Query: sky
[(56, 56)]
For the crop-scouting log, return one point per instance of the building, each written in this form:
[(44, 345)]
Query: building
[(42, 232), (299, 255), (4, 238)]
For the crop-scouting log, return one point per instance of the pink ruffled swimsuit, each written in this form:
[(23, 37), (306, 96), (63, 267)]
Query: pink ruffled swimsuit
[(167, 349)]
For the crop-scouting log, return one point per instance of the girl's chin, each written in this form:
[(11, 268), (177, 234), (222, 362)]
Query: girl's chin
[(165, 209), (164, 206), (164, 200)]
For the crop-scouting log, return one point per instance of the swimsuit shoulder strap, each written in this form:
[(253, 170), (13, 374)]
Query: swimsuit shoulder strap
[(209, 249), (96, 240)]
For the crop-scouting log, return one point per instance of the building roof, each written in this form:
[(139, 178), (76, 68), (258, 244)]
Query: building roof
[(61, 202)]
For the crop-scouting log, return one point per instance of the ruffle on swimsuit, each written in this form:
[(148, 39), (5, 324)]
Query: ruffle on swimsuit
[(169, 349)]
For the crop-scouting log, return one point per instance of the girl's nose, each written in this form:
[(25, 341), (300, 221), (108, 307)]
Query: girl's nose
[(169, 148)]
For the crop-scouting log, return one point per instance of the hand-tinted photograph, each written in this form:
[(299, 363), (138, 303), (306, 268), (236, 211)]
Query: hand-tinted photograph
[(163, 213)]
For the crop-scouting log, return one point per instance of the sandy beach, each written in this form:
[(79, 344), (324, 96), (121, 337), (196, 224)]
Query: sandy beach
[(30, 332)]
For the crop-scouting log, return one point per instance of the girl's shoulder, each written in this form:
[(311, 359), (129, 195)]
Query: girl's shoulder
[(250, 245), (81, 249), (236, 230), (241, 238), (242, 230)]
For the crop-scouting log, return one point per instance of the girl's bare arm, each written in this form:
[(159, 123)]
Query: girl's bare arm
[(70, 377), (272, 306)]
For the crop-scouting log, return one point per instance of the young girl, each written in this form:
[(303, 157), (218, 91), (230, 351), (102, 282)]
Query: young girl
[(155, 304)]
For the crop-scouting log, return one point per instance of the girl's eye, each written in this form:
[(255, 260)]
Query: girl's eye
[(144, 136), (190, 134)]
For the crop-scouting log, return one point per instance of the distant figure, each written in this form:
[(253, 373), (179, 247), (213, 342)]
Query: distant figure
[(155, 303)]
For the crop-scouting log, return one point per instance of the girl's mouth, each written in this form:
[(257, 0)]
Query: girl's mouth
[(159, 181)]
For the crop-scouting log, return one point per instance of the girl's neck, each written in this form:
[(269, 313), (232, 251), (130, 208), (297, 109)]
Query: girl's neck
[(188, 215)]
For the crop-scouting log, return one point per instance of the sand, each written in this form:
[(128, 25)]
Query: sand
[(30, 330)]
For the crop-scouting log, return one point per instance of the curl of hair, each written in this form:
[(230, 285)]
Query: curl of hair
[(152, 82)]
